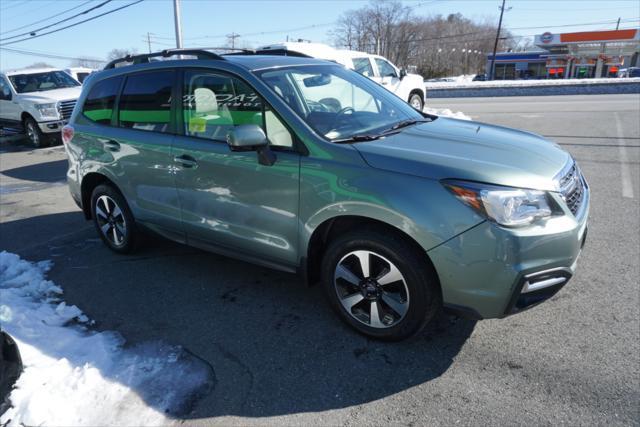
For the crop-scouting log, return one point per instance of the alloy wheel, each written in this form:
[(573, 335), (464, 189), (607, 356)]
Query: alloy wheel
[(416, 103), (371, 289), (32, 134), (111, 220)]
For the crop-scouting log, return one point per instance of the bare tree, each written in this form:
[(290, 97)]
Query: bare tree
[(435, 45), (39, 65), (120, 53), (87, 63)]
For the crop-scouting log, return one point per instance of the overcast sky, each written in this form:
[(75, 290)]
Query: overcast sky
[(206, 22)]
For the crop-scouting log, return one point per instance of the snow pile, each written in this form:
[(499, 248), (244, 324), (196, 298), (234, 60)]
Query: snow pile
[(445, 112), (462, 82), (75, 376)]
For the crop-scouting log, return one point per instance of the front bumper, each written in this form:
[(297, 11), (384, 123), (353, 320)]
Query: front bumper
[(52, 126), (492, 271)]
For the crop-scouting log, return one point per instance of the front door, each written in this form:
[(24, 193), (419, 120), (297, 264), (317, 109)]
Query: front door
[(228, 199)]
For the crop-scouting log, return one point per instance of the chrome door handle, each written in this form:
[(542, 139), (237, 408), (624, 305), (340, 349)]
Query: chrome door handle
[(186, 161)]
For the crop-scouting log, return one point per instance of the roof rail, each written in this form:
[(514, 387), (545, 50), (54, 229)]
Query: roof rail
[(282, 52), (200, 53)]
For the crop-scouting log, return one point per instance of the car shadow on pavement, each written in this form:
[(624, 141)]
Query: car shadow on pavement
[(54, 171), (274, 345)]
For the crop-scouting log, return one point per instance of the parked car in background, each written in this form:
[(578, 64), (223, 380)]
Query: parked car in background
[(479, 78), (409, 87), (39, 101), (79, 73), (629, 72), (302, 165)]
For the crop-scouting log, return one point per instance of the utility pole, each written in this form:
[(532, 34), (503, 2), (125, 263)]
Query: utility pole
[(232, 37), (495, 45), (149, 41), (178, 19), (618, 25)]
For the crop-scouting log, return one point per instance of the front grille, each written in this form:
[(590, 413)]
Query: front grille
[(572, 188), (66, 108)]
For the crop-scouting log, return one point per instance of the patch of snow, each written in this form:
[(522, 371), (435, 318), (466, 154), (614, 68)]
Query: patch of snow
[(445, 112), (75, 376), (464, 82)]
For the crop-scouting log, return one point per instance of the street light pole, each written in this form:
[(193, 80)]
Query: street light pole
[(495, 45), (178, 19)]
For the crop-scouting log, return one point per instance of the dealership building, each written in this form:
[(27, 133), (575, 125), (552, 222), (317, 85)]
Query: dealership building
[(589, 54)]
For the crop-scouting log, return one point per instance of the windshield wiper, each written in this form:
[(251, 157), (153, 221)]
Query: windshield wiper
[(358, 138), (405, 123)]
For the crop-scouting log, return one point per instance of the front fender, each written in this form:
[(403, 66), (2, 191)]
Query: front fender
[(421, 208)]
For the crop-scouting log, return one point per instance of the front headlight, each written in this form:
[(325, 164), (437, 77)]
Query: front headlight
[(48, 110), (510, 207)]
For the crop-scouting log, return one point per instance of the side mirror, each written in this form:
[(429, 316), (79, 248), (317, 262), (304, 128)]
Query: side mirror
[(251, 138), (6, 96), (403, 73)]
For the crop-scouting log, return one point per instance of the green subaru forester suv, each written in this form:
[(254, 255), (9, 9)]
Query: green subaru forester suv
[(305, 166)]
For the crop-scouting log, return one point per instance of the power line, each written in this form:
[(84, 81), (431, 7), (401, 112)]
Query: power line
[(74, 24), (46, 19), (48, 55), (14, 4), (58, 22)]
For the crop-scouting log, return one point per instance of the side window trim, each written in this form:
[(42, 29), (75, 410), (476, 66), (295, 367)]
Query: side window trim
[(115, 114), (298, 146)]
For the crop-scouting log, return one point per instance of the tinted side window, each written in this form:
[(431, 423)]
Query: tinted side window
[(98, 106), (385, 69), (5, 92), (214, 103), (363, 66), (145, 103)]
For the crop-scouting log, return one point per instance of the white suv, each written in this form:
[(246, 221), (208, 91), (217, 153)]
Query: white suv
[(38, 100), (409, 87)]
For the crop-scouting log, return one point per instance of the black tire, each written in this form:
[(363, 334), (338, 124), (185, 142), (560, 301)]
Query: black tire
[(33, 133), (110, 210), (420, 280), (416, 101)]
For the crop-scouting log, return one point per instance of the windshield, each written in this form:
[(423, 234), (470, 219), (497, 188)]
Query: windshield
[(39, 82), (338, 103)]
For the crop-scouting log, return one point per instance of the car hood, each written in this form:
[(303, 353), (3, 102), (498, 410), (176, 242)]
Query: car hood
[(467, 150), (52, 95)]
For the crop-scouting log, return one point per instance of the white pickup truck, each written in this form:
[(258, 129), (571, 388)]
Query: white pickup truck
[(409, 87), (39, 101)]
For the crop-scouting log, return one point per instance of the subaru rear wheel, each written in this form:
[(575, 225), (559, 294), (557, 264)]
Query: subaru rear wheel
[(112, 219)]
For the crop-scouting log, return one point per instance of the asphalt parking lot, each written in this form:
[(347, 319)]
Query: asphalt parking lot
[(281, 356)]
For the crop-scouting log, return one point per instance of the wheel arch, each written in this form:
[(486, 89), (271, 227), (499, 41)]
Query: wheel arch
[(89, 182), (419, 92), (24, 116), (323, 233)]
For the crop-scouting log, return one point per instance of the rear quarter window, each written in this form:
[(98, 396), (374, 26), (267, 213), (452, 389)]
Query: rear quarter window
[(98, 107)]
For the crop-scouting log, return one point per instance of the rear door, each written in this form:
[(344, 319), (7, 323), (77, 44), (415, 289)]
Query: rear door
[(10, 110), (363, 66), (134, 144), (230, 201), (387, 75)]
